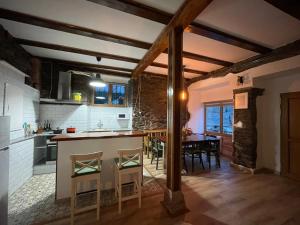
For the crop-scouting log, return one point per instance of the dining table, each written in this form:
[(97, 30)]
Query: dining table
[(194, 140)]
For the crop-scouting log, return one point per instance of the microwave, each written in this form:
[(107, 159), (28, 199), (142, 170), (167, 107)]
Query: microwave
[(122, 116)]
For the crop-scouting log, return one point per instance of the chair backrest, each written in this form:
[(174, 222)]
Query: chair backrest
[(82, 161), (127, 156)]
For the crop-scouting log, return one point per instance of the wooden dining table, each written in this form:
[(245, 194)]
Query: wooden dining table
[(193, 139)]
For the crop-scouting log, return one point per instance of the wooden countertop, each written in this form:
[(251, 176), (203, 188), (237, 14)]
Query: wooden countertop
[(97, 135)]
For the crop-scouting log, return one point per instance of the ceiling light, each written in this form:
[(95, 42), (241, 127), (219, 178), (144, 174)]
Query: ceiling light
[(97, 81)]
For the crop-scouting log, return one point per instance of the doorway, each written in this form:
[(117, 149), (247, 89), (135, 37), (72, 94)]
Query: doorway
[(290, 135)]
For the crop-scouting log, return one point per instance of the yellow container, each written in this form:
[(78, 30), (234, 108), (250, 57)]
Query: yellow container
[(76, 96)]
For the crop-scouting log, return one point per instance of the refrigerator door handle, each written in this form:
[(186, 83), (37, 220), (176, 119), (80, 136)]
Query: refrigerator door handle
[(4, 149)]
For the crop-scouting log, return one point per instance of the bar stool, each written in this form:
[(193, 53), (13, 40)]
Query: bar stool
[(85, 168), (129, 163)]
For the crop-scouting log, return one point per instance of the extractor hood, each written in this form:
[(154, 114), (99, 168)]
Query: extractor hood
[(64, 91)]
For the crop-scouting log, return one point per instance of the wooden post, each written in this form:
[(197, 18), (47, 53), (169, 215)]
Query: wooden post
[(173, 198)]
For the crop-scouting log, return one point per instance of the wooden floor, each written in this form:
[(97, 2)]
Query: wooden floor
[(225, 197)]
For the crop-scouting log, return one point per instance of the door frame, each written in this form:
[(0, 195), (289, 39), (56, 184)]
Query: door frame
[(284, 160)]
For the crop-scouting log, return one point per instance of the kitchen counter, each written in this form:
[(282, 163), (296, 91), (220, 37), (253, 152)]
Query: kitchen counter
[(109, 142), (97, 135)]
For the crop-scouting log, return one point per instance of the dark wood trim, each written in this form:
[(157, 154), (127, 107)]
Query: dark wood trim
[(160, 16), (69, 28), (290, 7), (188, 11), (287, 51), (284, 118)]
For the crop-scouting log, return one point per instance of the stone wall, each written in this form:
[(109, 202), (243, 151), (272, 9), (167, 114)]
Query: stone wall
[(152, 112), (245, 132)]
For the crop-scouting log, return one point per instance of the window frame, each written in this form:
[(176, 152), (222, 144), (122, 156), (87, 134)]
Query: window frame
[(110, 97), (221, 104)]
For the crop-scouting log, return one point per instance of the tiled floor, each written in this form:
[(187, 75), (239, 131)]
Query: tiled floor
[(35, 202)]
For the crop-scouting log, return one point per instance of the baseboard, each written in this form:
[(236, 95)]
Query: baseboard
[(242, 168), (254, 170)]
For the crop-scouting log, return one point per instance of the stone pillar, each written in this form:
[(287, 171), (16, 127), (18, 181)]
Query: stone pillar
[(245, 132), (173, 198)]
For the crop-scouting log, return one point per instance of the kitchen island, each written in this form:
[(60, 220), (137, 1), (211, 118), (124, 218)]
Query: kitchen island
[(83, 143)]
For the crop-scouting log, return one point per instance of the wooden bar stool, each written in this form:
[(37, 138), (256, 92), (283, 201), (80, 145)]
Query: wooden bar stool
[(129, 163), (85, 168)]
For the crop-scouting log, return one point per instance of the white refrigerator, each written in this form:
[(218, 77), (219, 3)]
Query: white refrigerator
[(4, 166)]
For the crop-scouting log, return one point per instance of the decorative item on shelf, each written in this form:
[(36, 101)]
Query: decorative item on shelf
[(76, 96), (71, 130), (240, 80), (186, 132)]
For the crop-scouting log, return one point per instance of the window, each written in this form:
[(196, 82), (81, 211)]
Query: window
[(218, 118), (111, 95)]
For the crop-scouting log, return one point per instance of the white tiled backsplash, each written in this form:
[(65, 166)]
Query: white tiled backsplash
[(85, 117)]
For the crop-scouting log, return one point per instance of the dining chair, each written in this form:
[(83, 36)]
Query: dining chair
[(85, 168), (192, 150), (213, 149), (157, 150), (129, 163)]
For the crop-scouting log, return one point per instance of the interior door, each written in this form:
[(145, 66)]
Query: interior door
[(290, 135)]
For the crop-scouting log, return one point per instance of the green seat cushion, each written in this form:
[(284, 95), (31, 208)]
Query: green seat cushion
[(93, 168), (130, 164)]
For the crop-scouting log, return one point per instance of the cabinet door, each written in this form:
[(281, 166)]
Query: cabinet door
[(14, 106)]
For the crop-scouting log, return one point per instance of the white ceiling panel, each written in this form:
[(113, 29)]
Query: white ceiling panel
[(25, 31), (189, 63), (215, 49), (169, 6), (254, 20), (90, 15), (41, 52)]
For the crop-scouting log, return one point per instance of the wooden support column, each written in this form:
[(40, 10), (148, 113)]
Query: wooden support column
[(173, 198)]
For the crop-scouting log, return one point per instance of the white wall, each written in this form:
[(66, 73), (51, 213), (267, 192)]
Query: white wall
[(268, 111), (84, 117), (208, 92), (215, 89), (21, 153)]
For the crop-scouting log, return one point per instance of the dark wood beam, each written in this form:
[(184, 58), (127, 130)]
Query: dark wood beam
[(290, 7), (287, 51), (173, 197), (37, 21), (75, 50), (93, 53), (92, 67), (183, 17), (86, 65), (95, 70), (217, 35), (69, 28), (13, 53), (160, 16)]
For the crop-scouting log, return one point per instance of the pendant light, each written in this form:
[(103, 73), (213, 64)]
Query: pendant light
[(97, 81)]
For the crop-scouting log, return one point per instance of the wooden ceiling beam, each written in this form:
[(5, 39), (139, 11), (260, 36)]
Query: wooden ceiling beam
[(188, 11), (160, 16), (69, 28), (81, 64), (287, 51), (290, 7), (75, 50), (92, 53)]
